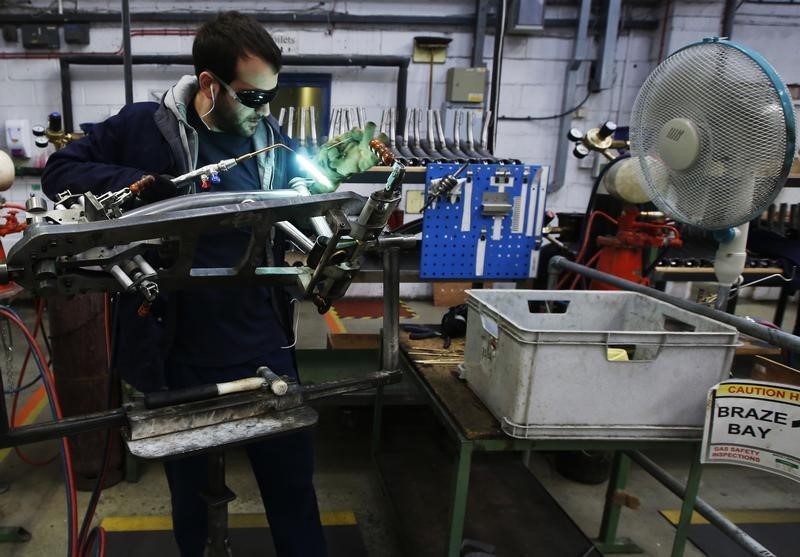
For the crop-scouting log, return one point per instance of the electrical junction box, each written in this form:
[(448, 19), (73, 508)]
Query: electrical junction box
[(525, 16), (76, 33), (415, 201), (430, 50), (40, 36), (18, 138), (10, 34), (466, 85)]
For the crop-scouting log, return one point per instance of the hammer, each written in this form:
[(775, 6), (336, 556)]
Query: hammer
[(265, 377)]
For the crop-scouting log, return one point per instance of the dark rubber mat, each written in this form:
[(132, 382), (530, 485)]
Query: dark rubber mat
[(777, 530), (781, 539)]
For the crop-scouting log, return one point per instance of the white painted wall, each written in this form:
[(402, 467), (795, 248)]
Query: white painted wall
[(533, 72)]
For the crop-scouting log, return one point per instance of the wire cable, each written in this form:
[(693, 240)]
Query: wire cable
[(585, 242), (735, 290), (551, 117), (38, 325), (88, 535), (66, 457), (18, 390), (589, 263)]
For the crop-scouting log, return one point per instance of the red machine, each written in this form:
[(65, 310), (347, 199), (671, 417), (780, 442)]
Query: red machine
[(623, 254), (10, 225)]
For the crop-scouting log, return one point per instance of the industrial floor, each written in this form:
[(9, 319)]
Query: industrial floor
[(346, 477)]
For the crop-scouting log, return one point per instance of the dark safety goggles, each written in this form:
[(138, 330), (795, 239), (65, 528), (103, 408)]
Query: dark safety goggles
[(251, 98)]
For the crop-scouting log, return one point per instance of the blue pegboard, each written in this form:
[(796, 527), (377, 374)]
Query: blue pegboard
[(481, 246)]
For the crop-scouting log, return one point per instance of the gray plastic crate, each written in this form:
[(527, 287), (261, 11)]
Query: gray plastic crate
[(548, 375)]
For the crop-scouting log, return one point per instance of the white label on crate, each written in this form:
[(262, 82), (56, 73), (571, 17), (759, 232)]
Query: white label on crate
[(754, 424)]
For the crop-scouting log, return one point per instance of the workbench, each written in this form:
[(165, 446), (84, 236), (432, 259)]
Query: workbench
[(473, 428)]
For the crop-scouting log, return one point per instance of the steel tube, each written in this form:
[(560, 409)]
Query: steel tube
[(563, 148), (185, 202), (391, 309), (66, 96), (739, 536), (299, 239), (321, 226), (352, 385), (604, 67), (299, 18), (62, 428), (465, 20), (772, 336), (479, 33), (127, 61), (497, 70)]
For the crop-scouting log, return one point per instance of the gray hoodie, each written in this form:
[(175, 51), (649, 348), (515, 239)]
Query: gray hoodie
[(171, 120)]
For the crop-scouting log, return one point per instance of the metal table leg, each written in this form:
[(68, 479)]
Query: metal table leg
[(377, 420), (687, 508), (607, 542), (390, 339), (780, 308), (460, 491), (217, 497)]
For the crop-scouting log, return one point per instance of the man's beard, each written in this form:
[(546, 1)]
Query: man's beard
[(229, 121)]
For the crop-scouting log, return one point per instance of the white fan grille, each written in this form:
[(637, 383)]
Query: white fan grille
[(737, 111)]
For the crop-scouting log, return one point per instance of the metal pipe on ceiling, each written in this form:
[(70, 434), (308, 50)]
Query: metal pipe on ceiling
[(569, 99), (479, 33), (497, 71), (127, 65), (728, 15), (194, 18), (605, 66)]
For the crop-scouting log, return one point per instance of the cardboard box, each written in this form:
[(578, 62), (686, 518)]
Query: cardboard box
[(448, 294)]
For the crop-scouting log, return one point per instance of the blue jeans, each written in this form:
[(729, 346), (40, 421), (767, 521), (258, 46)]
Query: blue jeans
[(283, 468)]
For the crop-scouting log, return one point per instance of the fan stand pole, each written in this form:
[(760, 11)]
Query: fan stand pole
[(729, 261)]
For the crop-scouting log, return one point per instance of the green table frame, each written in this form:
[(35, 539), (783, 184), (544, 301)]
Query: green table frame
[(607, 541)]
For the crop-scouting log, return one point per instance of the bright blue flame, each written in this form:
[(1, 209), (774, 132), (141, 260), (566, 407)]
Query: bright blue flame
[(313, 170)]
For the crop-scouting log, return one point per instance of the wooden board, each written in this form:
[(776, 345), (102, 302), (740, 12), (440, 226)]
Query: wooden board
[(755, 347), (354, 341), (775, 372), (448, 294), (464, 406)]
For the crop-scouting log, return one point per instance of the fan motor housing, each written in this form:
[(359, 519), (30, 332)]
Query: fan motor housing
[(679, 143)]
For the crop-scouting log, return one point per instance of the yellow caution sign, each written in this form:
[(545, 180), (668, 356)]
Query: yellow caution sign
[(755, 424)]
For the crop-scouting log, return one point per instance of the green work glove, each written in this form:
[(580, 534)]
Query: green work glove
[(345, 155)]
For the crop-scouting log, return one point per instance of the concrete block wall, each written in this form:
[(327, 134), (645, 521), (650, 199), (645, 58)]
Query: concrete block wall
[(533, 71)]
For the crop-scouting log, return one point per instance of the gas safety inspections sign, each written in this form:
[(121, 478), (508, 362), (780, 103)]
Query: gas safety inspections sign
[(754, 424)]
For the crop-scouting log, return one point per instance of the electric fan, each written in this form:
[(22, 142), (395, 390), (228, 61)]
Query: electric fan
[(713, 132)]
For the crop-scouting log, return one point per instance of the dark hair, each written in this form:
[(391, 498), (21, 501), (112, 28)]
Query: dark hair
[(220, 43)]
